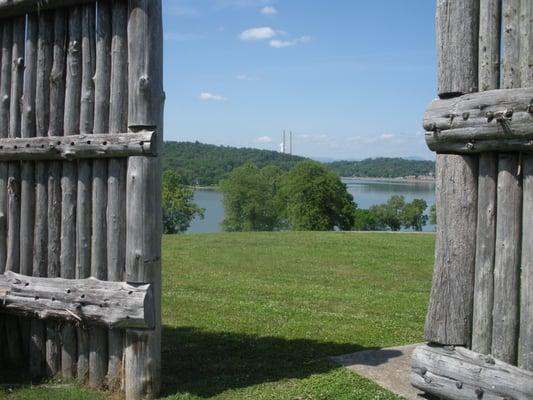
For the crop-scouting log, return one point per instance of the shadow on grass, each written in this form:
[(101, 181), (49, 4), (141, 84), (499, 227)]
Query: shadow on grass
[(209, 363)]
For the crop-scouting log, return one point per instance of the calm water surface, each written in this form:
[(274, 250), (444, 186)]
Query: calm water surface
[(366, 193)]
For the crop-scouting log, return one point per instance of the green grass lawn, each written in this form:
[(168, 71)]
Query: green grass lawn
[(255, 316)]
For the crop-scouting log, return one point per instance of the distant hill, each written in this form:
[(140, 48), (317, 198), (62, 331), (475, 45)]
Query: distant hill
[(383, 168), (206, 164)]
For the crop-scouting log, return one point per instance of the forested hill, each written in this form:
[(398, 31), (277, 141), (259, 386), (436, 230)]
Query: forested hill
[(383, 168), (206, 164)]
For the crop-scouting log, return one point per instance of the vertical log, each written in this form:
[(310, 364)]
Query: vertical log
[(69, 181), (84, 204), (42, 115), (13, 334), (489, 78), (116, 184), (525, 347), (27, 190), (98, 343), (505, 319), (449, 319), (57, 106), (143, 204)]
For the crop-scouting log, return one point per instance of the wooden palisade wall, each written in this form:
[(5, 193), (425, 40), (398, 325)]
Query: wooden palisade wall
[(82, 206), (482, 294)]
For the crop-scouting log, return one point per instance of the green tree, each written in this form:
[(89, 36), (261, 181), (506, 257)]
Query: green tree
[(433, 215), (412, 214), (315, 199), (366, 220), (389, 215), (178, 207), (250, 198)]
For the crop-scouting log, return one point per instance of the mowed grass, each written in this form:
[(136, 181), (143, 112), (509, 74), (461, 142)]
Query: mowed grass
[(256, 315)]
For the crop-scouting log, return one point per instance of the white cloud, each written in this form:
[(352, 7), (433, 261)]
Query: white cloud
[(206, 96), (279, 44), (264, 139), (269, 10), (387, 136), (262, 33), (244, 77)]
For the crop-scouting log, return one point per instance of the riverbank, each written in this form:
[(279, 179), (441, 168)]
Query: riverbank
[(428, 179)]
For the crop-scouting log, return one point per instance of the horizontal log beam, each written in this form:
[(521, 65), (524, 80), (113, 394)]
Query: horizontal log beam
[(460, 374), (85, 301), (459, 124), (10, 8), (117, 145)]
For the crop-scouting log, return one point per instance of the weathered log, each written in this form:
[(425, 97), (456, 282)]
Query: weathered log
[(90, 301), (484, 270), (461, 374), (98, 338), (116, 183), (483, 146), (57, 106), (507, 259), (511, 49), (449, 316), (143, 205), (119, 145), (490, 22), (69, 181), (457, 46), (10, 8)]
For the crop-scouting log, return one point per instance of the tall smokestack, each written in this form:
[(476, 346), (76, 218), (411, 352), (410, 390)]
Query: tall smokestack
[(290, 144)]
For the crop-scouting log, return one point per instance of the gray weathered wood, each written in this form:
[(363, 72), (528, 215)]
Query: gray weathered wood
[(461, 374), (116, 183), (143, 205), (507, 259), (457, 46), (57, 105), (484, 270), (490, 23), (69, 181), (90, 300), (511, 47), (98, 338), (9, 8), (449, 316), (118, 145)]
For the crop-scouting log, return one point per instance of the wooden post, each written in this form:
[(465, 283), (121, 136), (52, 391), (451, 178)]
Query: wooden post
[(508, 221), (116, 184), (57, 105), (98, 343), (449, 318), (525, 349), (68, 181), (489, 78), (143, 205), (27, 190)]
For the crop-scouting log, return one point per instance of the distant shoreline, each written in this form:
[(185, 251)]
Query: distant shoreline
[(401, 180)]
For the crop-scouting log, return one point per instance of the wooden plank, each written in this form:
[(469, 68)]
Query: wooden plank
[(99, 339), (507, 259), (10, 8), (461, 374), (69, 181), (143, 204), (457, 46), (483, 146), (89, 301), (116, 184), (449, 316), (490, 23), (119, 145), (511, 47)]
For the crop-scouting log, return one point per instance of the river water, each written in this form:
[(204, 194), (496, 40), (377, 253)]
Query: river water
[(366, 193)]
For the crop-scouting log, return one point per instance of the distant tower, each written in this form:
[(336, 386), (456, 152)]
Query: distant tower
[(282, 146), (290, 143)]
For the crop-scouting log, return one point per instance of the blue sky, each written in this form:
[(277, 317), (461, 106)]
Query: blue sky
[(350, 78)]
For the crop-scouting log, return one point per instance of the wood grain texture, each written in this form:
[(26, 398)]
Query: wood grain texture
[(143, 204), (449, 316), (457, 46), (116, 183), (9, 8), (91, 301), (511, 48), (490, 24), (461, 374)]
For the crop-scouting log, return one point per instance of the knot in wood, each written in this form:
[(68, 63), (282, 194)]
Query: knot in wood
[(470, 146), (459, 385), (479, 393), (466, 115), (19, 62), (144, 82)]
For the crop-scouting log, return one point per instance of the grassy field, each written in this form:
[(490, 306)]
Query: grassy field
[(255, 316)]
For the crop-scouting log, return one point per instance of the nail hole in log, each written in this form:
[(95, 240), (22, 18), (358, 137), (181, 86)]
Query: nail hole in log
[(36, 297), (88, 142), (130, 292), (82, 296), (42, 146), (15, 147), (72, 143), (26, 284), (27, 145), (68, 290), (104, 143), (59, 143)]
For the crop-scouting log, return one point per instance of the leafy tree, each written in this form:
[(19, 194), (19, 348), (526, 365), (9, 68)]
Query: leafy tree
[(366, 220), (315, 199), (389, 215), (383, 168), (433, 215), (250, 199), (412, 214), (178, 207)]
